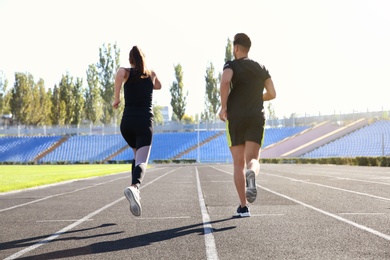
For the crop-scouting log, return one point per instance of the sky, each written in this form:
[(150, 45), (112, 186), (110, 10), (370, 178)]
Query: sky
[(324, 56)]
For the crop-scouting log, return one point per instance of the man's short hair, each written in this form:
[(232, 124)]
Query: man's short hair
[(243, 40)]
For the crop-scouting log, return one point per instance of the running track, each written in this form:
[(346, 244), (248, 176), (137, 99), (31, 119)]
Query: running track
[(302, 212)]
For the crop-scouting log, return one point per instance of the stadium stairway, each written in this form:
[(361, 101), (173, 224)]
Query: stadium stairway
[(116, 153), (52, 148), (200, 144), (310, 139)]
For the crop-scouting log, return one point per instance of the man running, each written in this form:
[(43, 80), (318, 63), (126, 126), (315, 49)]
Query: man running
[(242, 96)]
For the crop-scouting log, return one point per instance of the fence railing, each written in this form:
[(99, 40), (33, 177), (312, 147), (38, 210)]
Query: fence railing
[(172, 126)]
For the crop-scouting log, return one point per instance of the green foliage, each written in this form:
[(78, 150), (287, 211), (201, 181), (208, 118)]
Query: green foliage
[(3, 91), (79, 101), (93, 98), (271, 111), (69, 102), (188, 119), (66, 89), (22, 97), (212, 93), (41, 105), (56, 115), (158, 118), (229, 50), (107, 66), (178, 97)]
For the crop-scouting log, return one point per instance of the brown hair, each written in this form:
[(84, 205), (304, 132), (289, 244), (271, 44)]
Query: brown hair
[(243, 40), (137, 58)]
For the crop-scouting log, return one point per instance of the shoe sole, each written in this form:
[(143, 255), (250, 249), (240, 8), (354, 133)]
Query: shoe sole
[(251, 190), (135, 206), (242, 215)]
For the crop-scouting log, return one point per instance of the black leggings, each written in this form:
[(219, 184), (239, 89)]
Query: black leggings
[(137, 131)]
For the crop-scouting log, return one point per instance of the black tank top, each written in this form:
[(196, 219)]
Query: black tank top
[(138, 94)]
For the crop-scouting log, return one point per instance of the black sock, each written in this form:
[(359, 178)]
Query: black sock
[(138, 174), (132, 166)]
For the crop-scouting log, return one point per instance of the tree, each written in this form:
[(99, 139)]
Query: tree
[(58, 110), (107, 66), (3, 89), (93, 98), (271, 112), (229, 50), (48, 108), (188, 119), (79, 102), (6, 103), (178, 98), (40, 105), (158, 118), (66, 95), (22, 97), (212, 93)]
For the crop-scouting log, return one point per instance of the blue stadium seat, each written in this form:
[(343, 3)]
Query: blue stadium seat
[(371, 140), (24, 149), (86, 148)]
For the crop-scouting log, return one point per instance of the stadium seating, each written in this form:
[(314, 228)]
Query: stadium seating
[(274, 135), (169, 145), (371, 140), (86, 148), (217, 149), (24, 149)]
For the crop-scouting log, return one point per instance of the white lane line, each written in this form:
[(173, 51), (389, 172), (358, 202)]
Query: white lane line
[(350, 179), (329, 187), (75, 224), (211, 250), (362, 213), (323, 173), (349, 222), (362, 227), (381, 178), (64, 193), (60, 232), (59, 194)]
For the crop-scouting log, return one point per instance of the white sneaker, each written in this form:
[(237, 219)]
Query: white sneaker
[(251, 191), (132, 195)]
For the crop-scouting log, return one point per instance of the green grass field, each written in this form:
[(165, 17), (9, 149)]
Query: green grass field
[(17, 177)]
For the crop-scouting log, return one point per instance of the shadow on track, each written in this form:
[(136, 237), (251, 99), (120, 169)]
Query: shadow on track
[(129, 242), (33, 240)]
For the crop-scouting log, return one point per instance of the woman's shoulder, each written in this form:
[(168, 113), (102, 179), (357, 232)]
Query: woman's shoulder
[(123, 70)]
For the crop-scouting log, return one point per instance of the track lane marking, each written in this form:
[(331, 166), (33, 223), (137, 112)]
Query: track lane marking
[(351, 179), (362, 227), (326, 174), (64, 193), (329, 187), (211, 250), (349, 222), (78, 222)]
